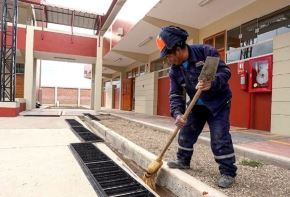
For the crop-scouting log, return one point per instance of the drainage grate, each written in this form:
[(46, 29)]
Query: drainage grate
[(73, 123), (107, 178), (83, 133), (92, 116)]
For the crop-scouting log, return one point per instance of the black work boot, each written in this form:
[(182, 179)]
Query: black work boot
[(225, 181), (178, 165)]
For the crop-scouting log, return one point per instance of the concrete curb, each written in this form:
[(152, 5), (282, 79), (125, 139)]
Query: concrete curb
[(268, 158), (177, 181)]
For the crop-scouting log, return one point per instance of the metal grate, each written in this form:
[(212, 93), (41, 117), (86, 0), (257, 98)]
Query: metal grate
[(92, 116), (73, 123), (83, 133), (107, 178)]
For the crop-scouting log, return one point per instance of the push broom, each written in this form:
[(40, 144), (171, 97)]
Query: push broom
[(207, 75)]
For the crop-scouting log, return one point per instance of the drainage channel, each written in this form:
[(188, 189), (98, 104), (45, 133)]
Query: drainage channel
[(91, 116), (107, 178), (161, 191), (83, 133)]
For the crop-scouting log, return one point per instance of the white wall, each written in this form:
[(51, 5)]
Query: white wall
[(146, 90), (280, 114)]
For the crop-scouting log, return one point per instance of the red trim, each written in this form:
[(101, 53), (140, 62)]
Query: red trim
[(22, 107), (61, 43), (21, 37), (9, 112)]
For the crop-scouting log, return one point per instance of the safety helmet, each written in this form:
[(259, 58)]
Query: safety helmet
[(169, 37)]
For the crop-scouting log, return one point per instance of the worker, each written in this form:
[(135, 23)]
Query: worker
[(212, 107)]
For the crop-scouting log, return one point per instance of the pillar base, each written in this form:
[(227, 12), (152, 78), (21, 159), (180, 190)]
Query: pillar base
[(9, 109), (22, 103)]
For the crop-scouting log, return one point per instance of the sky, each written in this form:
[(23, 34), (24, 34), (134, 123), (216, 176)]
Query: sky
[(63, 74)]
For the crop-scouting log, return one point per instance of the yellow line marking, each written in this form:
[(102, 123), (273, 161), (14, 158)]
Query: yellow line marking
[(285, 143)]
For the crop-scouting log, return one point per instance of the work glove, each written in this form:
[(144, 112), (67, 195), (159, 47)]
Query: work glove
[(179, 121)]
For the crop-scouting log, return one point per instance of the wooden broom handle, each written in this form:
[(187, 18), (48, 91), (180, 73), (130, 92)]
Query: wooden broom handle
[(185, 116)]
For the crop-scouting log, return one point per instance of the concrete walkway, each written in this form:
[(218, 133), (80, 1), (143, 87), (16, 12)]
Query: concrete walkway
[(258, 144), (35, 159)]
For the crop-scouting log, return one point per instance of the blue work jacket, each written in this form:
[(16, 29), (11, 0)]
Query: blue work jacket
[(215, 98)]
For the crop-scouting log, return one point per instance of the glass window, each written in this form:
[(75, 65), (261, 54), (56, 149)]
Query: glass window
[(209, 42), (19, 68), (233, 40), (142, 70), (220, 41), (129, 74), (255, 33), (248, 33), (135, 72), (164, 73), (159, 65), (274, 24)]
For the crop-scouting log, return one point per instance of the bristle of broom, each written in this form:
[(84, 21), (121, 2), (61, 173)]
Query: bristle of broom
[(152, 169), (149, 180)]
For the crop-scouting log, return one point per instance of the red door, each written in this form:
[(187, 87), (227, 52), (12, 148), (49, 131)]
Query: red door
[(127, 91), (163, 108), (116, 98)]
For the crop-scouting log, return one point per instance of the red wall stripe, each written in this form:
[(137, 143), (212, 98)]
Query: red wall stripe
[(64, 43), (21, 37), (9, 112)]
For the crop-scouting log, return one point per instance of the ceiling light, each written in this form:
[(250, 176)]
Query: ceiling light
[(204, 2), (145, 41)]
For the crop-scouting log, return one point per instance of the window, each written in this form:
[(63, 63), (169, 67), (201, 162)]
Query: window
[(254, 38), (159, 65), (142, 70), (209, 41), (129, 74), (19, 68), (217, 41), (135, 72)]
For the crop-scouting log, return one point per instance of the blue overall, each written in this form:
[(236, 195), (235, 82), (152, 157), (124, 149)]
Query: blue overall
[(213, 107)]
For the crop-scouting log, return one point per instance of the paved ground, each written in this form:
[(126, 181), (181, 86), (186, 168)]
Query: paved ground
[(35, 159), (248, 138)]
